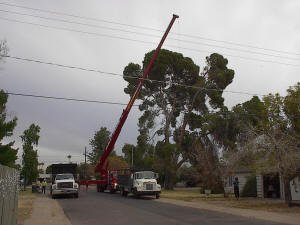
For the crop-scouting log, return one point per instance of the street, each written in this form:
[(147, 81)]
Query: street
[(93, 208)]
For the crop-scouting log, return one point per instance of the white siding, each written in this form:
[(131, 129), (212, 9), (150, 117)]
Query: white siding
[(260, 186), (295, 189)]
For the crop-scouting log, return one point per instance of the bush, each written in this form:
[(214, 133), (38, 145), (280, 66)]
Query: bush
[(249, 189)]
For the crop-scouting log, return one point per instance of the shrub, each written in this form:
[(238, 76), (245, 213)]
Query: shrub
[(249, 189)]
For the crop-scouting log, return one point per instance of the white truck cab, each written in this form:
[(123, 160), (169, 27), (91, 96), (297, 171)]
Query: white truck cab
[(140, 183), (64, 184)]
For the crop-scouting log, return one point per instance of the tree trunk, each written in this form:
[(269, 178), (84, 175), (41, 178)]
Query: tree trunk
[(170, 180), (287, 191)]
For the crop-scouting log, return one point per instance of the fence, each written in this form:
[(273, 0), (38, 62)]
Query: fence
[(9, 178)]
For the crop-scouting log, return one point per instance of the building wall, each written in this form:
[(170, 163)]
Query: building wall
[(295, 189), (260, 186), (242, 180)]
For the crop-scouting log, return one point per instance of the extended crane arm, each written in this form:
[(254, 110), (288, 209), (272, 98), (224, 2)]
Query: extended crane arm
[(125, 113)]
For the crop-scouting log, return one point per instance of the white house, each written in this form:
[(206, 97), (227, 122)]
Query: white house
[(267, 186)]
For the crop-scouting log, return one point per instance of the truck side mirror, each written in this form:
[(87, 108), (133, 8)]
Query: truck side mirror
[(156, 176), (131, 176)]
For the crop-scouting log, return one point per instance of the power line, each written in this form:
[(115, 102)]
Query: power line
[(148, 28), (101, 102), (132, 77), (64, 98), (147, 34), (146, 42), (120, 75)]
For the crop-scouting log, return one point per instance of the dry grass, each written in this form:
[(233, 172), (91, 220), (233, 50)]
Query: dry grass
[(25, 203), (193, 195)]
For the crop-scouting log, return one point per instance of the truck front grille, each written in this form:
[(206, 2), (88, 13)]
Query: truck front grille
[(149, 187), (65, 185)]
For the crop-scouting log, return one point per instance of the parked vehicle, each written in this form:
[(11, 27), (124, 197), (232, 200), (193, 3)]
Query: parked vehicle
[(139, 183), (63, 181)]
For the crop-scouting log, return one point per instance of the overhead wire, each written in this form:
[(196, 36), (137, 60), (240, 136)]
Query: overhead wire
[(146, 42), (121, 75), (147, 28), (66, 99), (148, 35), (112, 103), (132, 77)]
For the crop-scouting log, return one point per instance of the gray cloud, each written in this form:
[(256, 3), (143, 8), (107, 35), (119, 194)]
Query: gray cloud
[(67, 126)]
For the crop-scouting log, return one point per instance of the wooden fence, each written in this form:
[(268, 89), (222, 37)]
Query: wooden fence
[(9, 179)]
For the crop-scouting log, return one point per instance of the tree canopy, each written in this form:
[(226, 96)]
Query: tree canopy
[(172, 109), (98, 144), (30, 138), (271, 143), (8, 154)]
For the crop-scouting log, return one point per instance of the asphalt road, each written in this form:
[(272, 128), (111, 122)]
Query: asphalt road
[(94, 208)]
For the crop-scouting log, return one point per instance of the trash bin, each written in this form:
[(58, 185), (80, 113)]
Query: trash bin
[(34, 188)]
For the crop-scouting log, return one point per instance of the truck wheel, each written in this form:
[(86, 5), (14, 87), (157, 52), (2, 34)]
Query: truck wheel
[(76, 195), (125, 193), (157, 196)]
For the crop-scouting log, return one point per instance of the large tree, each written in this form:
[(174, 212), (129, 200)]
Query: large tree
[(172, 106), (8, 154), (273, 144), (30, 139), (98, 144)]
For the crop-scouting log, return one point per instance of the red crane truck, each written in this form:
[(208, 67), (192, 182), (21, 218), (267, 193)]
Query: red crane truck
[(108, 180)]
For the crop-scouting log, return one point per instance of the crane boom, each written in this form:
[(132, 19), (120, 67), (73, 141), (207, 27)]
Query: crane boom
[(115, 135)]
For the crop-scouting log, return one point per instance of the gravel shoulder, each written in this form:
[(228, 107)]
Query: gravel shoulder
[(290, 218)]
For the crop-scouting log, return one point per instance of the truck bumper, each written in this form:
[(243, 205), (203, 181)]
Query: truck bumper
[(65, 191), (148, 192)]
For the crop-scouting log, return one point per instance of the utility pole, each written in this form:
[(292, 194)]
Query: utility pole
[(84, 163), (132, 157)]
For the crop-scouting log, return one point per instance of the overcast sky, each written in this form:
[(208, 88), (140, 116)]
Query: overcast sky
[(66, 127)]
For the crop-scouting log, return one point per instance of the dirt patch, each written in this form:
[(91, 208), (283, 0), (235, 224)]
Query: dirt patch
[(25, 205), (47, 211)]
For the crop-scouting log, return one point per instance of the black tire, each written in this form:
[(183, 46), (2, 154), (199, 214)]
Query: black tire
[(76, 195), (157, 196), (125, 193)]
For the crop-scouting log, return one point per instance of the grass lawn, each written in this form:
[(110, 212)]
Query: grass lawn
[(193, 195), (25, 203)]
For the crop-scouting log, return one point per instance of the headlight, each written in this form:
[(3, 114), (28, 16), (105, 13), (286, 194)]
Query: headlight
[(54, 186), (139, 183), (75, 185), (158, 186)]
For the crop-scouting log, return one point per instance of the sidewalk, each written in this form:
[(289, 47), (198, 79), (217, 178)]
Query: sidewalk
[(290, 218), (47, 211)]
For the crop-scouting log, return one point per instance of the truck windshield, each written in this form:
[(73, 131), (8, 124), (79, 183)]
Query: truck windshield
[(145, 175), (64, 177)]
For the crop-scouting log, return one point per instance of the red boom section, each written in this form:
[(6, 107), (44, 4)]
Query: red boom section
[(125, 113)]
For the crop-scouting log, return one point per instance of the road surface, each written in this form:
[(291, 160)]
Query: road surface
[(95, 208)]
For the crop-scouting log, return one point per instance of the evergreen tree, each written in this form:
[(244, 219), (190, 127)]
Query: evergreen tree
[(99, 143), (8, 154), (30, 138)]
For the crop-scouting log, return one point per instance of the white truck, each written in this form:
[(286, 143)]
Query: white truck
[(63, 181), (139, 183), (64, 184)]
